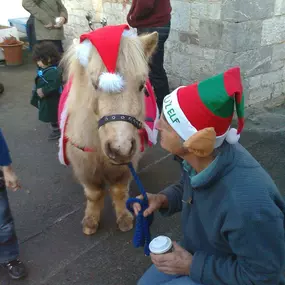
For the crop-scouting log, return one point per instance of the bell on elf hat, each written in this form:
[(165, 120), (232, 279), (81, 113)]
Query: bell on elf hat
[(107, 42), (208, 104)]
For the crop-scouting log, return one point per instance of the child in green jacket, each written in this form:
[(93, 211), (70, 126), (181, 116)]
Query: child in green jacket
[(48, 85)]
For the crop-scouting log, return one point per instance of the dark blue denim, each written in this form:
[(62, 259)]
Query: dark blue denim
[(9, 247), (157, 76)]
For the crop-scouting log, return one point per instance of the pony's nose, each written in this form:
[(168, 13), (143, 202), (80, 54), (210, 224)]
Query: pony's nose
[(120, 152)]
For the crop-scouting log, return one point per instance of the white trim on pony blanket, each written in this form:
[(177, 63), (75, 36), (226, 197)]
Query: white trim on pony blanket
[(62, 125), (178, 121), (152, 134)]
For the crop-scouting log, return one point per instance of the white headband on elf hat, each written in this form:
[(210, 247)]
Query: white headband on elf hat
[(107, 42), (210, 103)]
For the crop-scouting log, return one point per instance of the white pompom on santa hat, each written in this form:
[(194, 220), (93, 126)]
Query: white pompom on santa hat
[(107, 42), (209, 103)]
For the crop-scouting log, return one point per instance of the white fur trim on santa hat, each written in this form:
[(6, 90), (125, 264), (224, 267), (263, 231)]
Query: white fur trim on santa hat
[(83, 52), (111, 82)]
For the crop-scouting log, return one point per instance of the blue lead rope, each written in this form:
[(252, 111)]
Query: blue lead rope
[(142, 235)]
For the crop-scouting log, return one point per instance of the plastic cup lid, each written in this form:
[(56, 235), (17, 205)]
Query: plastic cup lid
[(160, 244)]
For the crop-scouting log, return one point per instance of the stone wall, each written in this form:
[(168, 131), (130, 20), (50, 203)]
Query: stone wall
[(209, 36)]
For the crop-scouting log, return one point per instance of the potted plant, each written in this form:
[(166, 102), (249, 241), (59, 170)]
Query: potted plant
[(13, 50)]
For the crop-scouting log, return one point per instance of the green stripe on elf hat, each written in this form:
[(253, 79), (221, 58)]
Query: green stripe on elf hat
[(210, 103)]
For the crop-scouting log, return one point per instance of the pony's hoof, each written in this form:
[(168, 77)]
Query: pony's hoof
[(125, 222), (90, 226)]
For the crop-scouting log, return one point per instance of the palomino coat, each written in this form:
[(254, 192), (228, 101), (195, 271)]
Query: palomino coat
[(45, 12)]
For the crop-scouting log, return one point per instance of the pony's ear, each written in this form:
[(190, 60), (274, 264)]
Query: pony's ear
[(149, 42)]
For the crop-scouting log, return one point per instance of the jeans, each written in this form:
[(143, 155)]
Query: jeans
[(31, 31), (9, 247), (154, 277), (157, 76)]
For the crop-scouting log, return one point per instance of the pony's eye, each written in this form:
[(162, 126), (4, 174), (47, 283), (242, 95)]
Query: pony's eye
[(142, 86)]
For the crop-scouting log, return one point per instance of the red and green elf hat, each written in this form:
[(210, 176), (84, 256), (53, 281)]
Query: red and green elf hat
[(209, 103)]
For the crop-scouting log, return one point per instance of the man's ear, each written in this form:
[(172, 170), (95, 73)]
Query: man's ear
[(202, 143)]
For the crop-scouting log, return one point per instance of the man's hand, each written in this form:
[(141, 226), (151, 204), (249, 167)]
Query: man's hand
[(59, 22), (177, 262), (49, 26), (40, 93), (11, 179), (156, 201)]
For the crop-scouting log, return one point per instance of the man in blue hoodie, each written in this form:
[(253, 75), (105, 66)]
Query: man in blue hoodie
[(232, 212), (9, 248)]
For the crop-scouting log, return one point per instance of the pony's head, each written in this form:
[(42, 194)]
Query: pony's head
[(112, 102)]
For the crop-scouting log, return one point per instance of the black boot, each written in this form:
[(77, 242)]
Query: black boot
[(16, 269), (1, 88), (55, 134)]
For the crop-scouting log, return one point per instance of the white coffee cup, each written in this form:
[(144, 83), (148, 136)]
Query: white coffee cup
[(160, 245)]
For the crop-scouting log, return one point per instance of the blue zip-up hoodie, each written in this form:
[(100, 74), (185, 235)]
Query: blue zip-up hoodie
[(232, 221), (5, 159)]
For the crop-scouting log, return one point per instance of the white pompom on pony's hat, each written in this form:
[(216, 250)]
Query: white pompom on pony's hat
[(107, 42), (209, 103)]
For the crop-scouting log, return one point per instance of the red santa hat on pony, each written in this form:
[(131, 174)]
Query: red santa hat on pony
[(107, 42)]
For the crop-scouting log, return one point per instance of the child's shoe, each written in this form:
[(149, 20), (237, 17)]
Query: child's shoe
[(55, 134)]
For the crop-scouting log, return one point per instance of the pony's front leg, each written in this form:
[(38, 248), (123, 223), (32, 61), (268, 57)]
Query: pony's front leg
[(95, 204), (119, 194)]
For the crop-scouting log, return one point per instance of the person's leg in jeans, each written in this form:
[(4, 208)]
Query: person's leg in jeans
[(9, 247), (31, 31), (158, 77), (154, 277)]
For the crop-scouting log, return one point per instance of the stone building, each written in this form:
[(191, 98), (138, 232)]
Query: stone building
[(209, 36)]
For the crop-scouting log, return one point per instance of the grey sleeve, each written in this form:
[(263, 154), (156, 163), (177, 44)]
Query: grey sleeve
[(32, 7), (62, 10)]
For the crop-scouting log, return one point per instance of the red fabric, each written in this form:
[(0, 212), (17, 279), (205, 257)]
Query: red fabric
[(107, 42), (63, 98), (151, 110), (149, 13), (233, 84), (197, 113)]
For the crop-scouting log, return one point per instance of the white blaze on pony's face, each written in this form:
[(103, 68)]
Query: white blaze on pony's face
[(120, 139)]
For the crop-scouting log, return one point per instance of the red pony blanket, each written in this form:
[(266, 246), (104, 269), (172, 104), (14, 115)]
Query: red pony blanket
[(148, 134)]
